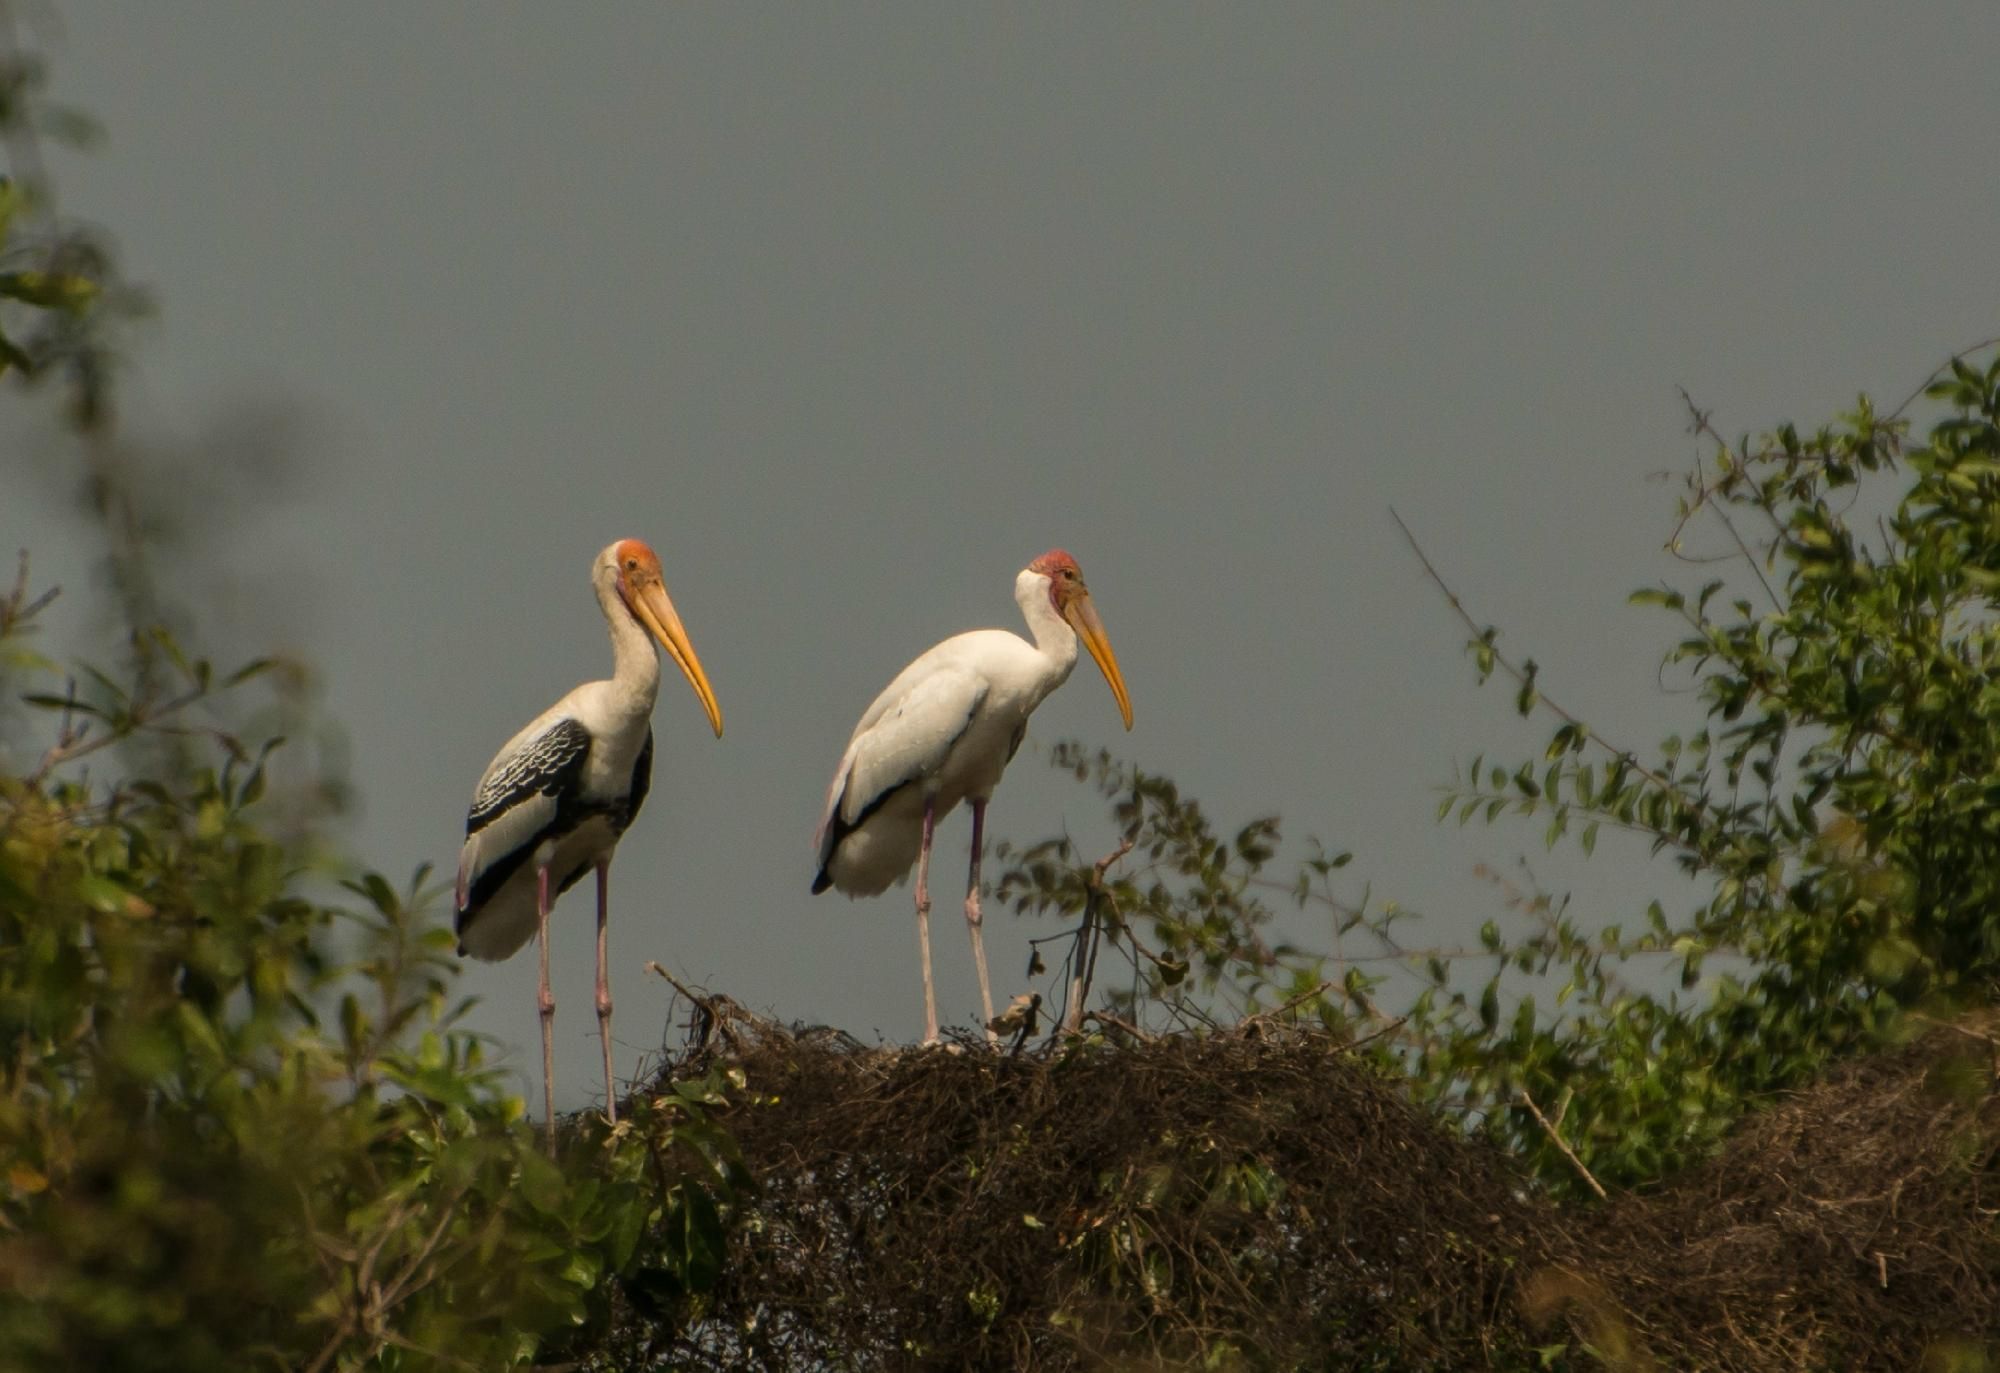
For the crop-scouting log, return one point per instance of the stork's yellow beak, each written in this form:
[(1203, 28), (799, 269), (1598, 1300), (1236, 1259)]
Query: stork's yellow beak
[(656, 612), (1082, 617)]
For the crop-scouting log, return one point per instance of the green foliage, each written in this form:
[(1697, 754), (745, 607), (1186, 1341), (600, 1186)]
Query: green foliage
[(59, 291), (1837, 811), (240, 1125), (238, 1122), (1200, 897)]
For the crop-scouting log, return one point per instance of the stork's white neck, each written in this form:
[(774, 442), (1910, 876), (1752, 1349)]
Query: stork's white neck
[(635, 670), (1055, 640)]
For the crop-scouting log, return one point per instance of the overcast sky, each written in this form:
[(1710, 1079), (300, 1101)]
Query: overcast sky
[(851, 311)]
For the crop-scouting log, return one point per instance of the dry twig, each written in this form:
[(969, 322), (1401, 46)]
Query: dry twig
[(1555, 1137), (1084, 960)]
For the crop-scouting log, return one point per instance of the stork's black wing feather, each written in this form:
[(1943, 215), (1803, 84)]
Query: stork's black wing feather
[(897, 768), (642, 782), (549, 766)]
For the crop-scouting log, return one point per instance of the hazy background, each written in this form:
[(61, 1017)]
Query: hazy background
[(852, 313)]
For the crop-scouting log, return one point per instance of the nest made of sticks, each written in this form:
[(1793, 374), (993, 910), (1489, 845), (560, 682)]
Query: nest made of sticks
[(1848, 1225), (1269, 1200)]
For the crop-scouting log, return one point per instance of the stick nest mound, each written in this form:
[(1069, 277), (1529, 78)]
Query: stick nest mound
[(1269, 1200)]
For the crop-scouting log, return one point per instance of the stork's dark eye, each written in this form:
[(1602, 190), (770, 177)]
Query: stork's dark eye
[(631, 564)]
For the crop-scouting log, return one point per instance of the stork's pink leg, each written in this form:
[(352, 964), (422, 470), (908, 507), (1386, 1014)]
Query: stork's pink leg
[(545, 1001), (924, 924), (604, 986), (974, 918)]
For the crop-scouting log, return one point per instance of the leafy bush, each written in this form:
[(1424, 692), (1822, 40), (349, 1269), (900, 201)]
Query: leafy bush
[(238, 1121), (240, 1124), (1838, 810)]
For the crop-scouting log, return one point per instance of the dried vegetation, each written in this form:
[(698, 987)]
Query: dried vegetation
[(1269, 1200)]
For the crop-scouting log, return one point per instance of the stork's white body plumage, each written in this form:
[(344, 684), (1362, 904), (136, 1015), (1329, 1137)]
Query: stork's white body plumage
[(605, 796), (945, 729), (554, 801), (943, 732)]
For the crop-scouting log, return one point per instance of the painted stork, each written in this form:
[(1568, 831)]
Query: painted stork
[(943, 732), (557, 796)]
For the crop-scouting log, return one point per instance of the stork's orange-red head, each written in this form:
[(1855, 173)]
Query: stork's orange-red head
[(1071, 599), (1065, 577), (636, 558), (644, 590)]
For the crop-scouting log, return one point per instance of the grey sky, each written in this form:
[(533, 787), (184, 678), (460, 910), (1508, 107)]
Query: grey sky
[(852, 311)]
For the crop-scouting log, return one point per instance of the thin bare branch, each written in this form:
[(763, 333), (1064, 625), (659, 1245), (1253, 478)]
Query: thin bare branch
[(1388, 1029), (1700, 419), (1555, 1137), (1111, 1021), (1626, 756), (1939, 371), (1277, 1012), (1084, 960), (405, 1282), (71, 746)]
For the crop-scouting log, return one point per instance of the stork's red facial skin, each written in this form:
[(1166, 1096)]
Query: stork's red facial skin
[(558, 796), (1065, 577), (643, 588), (1071, 599), (637, 565)]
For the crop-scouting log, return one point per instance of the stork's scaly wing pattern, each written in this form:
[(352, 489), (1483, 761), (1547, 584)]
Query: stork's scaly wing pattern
[(516, 801)]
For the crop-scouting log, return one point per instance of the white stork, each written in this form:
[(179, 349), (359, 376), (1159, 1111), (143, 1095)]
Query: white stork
[(557, 796), (943, 732)]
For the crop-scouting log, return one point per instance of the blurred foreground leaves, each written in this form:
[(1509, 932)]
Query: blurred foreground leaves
[(238, 1121)]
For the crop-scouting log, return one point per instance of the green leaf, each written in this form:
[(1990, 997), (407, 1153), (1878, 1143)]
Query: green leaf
[(102, 894), (702, 1239), (1655, 596), (584, 1269), (46, 701), (256, 667), (380, 893), (541, 1183), (628, 1224), (64, 291)]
